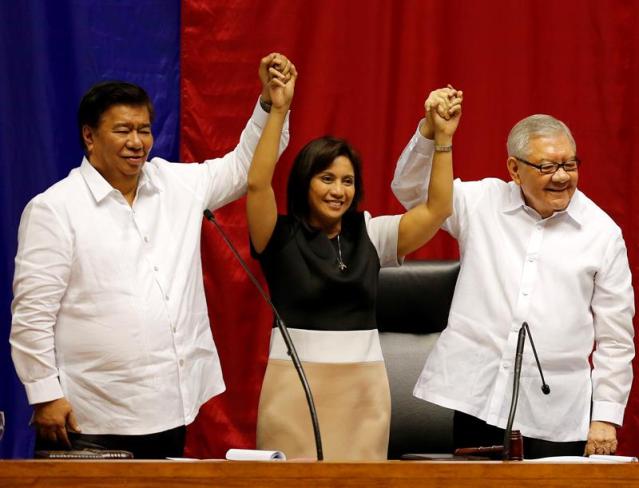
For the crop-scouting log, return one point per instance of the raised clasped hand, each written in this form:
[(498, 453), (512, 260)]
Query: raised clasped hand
[(281, 86), (275, 61), (443, 109)]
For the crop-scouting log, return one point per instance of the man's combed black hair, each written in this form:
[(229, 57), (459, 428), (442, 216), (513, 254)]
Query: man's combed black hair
[(106, 94)]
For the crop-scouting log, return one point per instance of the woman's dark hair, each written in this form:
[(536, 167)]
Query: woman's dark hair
[(314, 158), (103, 96)]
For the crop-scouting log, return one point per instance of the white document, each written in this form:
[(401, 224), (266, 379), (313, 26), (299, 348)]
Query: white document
[(594, 458), (254, 455)]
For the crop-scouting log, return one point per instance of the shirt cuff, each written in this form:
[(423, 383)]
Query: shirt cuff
[(44, 390), (422, 144), (608, 412), (260, 115)]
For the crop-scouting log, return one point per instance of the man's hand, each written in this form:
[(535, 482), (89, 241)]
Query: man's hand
[(446, 104), (602, 439), (275, 61), (52, 420)]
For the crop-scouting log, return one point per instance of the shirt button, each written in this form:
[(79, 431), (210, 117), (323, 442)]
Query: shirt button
[(166, 297), (524, 293), (181, 362), (155, 268), (174, 330), (146, 239)]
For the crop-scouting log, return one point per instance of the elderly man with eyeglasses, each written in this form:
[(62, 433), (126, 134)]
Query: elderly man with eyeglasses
[(533, 250)]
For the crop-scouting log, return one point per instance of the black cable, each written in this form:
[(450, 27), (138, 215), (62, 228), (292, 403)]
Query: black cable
[(544, 386)]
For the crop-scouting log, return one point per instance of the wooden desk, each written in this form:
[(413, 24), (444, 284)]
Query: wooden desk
[(76, 474)]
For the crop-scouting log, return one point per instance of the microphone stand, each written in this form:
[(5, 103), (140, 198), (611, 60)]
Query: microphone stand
[(509, 433), (285, 335), (512, 449)]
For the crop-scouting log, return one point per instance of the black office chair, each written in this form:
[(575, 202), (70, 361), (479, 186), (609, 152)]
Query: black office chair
[(412, 309)]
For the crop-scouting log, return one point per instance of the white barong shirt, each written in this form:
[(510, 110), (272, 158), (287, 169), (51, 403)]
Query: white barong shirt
[(566, 275), (109, 308)]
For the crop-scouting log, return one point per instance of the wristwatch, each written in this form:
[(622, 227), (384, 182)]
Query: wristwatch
[(448, 148), (265, 106)]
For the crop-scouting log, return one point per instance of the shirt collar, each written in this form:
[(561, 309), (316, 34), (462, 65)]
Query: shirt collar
[(98, 186), (515, 201), (101, 188), (147, 181), (575, 209)]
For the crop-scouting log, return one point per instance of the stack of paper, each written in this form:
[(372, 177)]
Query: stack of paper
[(594, 458)]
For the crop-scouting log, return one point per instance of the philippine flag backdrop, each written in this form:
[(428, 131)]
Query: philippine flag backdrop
[(365, 69)]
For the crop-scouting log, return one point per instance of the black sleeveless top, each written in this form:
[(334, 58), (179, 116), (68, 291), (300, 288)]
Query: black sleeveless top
[(308, 288)]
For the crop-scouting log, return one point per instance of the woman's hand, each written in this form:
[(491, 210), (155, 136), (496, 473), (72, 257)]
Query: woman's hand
[(273, 60), (281, 86)]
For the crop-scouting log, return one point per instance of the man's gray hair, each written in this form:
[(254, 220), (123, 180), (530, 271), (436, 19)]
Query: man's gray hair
[(538, 125)]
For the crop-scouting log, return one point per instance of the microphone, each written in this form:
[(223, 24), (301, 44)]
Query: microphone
[(285, 335), (544, 386), (506, 454), (512, 449)]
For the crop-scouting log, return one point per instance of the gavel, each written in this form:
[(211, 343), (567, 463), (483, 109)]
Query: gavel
[(516, 452)]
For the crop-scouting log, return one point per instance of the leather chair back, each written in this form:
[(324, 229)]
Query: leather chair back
[(413, 303)]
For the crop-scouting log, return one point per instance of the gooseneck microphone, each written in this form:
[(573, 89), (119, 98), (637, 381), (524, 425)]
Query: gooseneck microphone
[(516, 375), (285, 335), (544, 386)]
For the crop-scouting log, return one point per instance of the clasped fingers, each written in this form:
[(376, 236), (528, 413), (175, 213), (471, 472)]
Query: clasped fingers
[(445, 101)]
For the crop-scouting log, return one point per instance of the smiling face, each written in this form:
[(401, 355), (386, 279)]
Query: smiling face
[(330, 195), (546, 193), (120, 144)]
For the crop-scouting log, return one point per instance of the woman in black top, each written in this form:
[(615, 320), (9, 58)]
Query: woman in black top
[(321, 262)]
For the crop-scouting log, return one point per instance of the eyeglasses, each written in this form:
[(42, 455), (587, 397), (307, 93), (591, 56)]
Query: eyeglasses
[(548, 168)]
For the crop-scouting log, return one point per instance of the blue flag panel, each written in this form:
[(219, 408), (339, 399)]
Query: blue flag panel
[(52, 52)]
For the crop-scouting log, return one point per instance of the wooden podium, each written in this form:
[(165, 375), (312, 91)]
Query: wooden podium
[(285, 474)]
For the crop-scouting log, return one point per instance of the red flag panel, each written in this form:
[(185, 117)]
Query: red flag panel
[(365, 70)]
